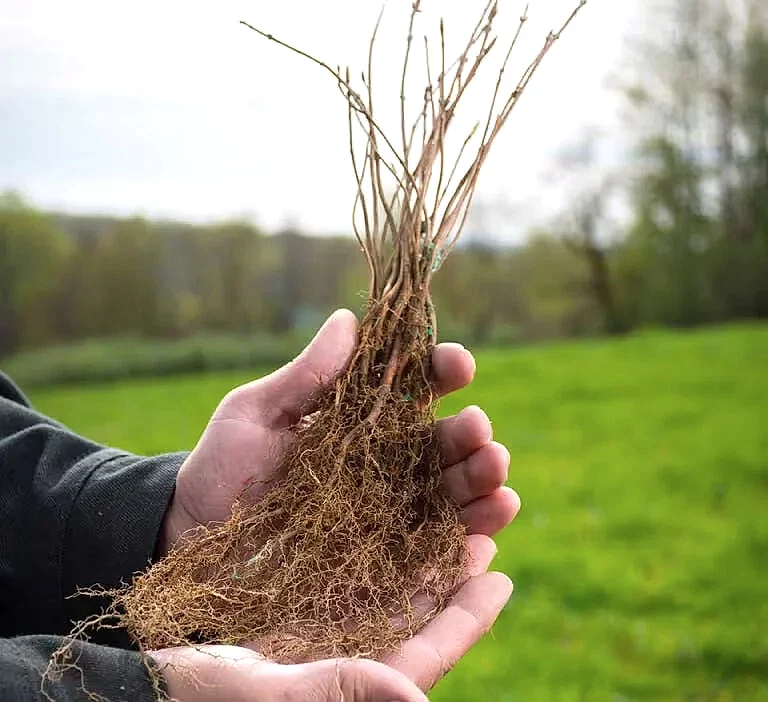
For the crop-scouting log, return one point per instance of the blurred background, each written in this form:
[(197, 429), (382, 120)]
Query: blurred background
[(175, 218)]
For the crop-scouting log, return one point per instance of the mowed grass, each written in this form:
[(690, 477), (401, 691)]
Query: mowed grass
[(640, 557)]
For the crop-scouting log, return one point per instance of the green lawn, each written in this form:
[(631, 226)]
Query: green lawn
[(640, 557)]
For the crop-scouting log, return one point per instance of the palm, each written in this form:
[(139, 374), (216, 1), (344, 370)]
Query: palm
[(253, 424), (233, 450)]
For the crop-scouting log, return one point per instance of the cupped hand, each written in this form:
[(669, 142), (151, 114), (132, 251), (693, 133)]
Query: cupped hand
[(244, 440), (254, 423), (236, 674)]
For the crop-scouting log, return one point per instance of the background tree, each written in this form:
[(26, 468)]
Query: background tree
[(698, 102), (32, 254)]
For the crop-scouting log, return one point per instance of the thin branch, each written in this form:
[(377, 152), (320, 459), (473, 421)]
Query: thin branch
[(409, 41), (351, 93), (370, 139), (456, 163), (523, 20), (405, 240)]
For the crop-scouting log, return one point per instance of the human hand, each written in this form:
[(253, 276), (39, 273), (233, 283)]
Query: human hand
[(244, 439), (237, 674), (253, 424)]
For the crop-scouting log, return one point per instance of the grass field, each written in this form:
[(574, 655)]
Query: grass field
[(640, 557)]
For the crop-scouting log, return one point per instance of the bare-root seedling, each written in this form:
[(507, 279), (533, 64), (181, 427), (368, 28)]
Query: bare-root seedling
[(357, 547)]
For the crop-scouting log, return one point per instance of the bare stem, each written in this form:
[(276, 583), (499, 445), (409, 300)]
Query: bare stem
[(406, 235)]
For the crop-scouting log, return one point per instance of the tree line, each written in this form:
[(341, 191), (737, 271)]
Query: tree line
[(691, 247)]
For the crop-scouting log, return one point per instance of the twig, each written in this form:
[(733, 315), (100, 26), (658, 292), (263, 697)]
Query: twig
[(406, 236)]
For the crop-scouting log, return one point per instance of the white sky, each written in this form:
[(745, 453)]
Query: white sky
[(171, 108)]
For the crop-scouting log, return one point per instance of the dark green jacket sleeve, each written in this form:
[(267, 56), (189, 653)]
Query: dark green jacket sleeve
[(72, 514)]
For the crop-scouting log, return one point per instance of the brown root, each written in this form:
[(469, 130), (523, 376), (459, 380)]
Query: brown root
[(331, 560)]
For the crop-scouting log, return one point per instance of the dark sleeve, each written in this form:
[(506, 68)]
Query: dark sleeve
[(73, 514), (113, 674)]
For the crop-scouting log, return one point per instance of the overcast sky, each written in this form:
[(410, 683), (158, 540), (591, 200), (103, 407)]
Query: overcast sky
[(172, 108)]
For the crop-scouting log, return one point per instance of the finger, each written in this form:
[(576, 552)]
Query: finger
[(429, 655), (490, 514), (463, 434), (453, 367), (483, 472), (358, 679), (482, 550), (206, 673), (285, 394)]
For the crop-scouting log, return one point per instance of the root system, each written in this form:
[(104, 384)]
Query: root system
[(353, 550), (357, 546)]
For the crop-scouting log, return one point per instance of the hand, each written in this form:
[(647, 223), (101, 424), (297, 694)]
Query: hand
[(235, 674), (214, 673), (249, 431), (253, 424)]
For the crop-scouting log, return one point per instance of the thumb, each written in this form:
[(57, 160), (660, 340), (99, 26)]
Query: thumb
[(355, 680), (287, 390)]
